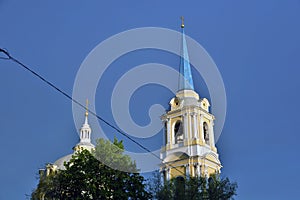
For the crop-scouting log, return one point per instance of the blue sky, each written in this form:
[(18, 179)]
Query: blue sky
[(255, 45)]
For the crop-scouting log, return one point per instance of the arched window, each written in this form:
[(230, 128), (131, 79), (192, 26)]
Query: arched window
[(178, 132), (205, 133)]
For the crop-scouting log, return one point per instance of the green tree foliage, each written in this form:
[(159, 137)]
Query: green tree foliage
[(85, 177), (112, 155), (196, 188)]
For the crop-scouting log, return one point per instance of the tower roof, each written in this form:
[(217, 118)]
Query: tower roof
[(85, 132), (186, 80)]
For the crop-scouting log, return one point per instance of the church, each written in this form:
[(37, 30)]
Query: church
[(189, 148)]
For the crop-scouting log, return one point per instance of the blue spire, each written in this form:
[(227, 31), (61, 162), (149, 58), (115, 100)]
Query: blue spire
[(186, 80)]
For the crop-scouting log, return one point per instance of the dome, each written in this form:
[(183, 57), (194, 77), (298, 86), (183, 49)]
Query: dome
[(82, 145), (60, 162)]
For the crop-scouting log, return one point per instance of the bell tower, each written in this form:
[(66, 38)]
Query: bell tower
[(189, 129)]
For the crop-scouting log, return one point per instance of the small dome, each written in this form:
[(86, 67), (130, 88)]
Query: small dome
[(60, 162)]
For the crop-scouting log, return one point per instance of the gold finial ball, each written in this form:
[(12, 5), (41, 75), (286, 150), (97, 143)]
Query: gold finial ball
[(182, 21)]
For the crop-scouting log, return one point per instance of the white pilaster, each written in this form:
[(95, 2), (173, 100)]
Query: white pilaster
[(195, 127)]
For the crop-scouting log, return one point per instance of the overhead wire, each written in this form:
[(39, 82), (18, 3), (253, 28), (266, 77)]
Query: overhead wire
[(9, 57)]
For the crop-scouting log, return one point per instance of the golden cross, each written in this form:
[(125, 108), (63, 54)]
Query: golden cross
[(87, 107), (182, 21)]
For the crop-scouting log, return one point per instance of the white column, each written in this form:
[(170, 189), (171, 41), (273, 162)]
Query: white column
[(195, 125), (170, 139), (201, 129), (168, 171), (198, 170), (187, 170), (211, 133), (190, 135), (185, 122)]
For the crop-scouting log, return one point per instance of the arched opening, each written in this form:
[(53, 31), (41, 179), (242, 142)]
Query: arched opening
[(176, 101), (178, 132), (205, 133)]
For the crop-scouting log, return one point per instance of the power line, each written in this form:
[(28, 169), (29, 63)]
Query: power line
[(74, 100), (9, 57)]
